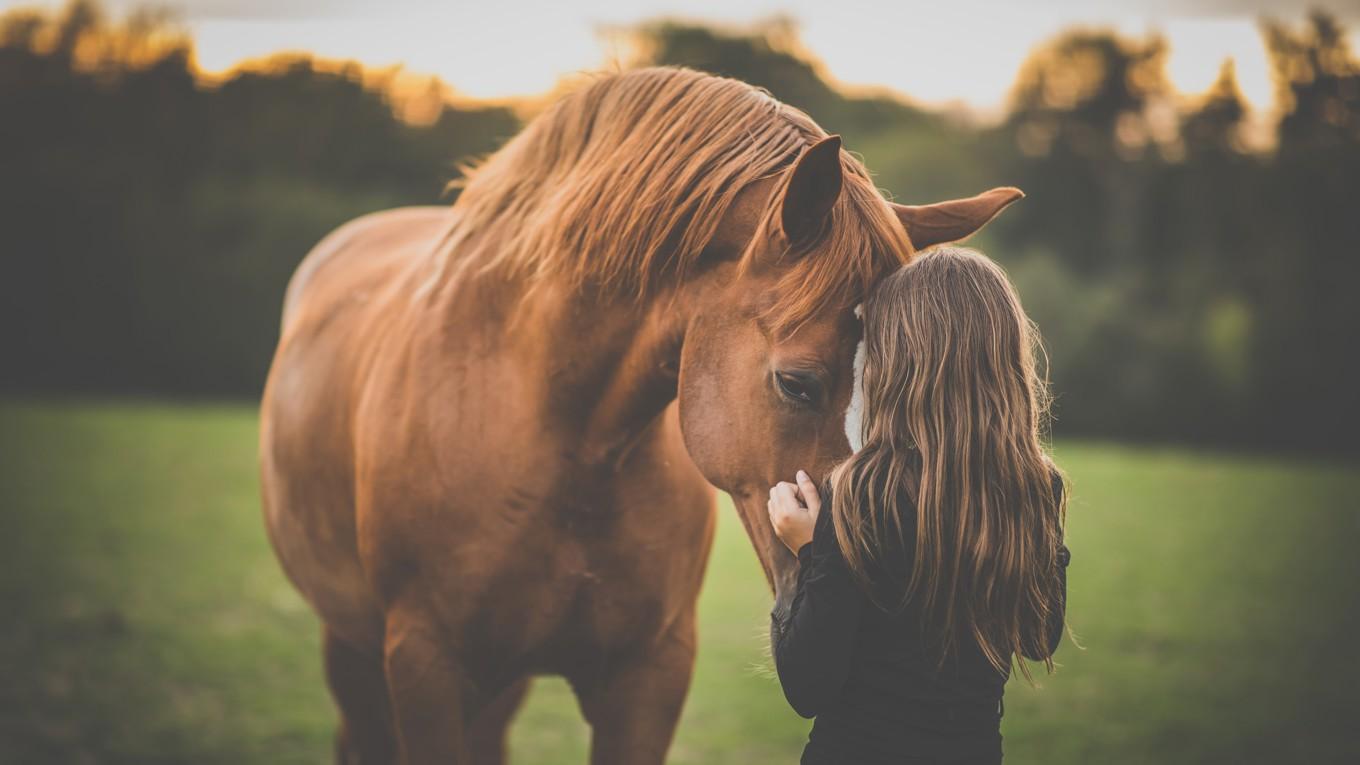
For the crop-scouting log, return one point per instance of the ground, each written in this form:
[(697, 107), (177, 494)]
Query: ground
[(1216, 599)]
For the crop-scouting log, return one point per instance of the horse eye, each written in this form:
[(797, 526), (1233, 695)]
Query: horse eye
[(796, 387)]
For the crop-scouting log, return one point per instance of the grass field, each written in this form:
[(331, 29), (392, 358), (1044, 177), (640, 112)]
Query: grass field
[(145, 620)]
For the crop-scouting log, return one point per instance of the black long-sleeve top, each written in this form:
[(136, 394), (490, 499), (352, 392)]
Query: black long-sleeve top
[(879, 693)]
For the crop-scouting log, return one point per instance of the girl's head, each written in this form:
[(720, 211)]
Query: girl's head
[(953, 411)]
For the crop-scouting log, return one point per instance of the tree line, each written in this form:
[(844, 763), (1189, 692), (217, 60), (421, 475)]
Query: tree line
[(1192, 284)]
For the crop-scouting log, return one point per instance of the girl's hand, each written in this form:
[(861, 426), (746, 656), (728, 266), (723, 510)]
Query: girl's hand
[(793, 511)]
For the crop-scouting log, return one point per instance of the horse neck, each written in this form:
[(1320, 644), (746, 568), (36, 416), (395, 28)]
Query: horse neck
[(640, 367), (602, 369), (616, 360)]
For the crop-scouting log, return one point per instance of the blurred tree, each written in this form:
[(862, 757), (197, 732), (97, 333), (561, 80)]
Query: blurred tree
[(1087, 108), (1194, 217), (151, 219), (1191, 287), (1214, 126), (1318, 83), (1205, 244), (1304, 284)]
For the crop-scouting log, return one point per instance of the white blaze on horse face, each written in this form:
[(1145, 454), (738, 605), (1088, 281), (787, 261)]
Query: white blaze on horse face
[(854, 413)]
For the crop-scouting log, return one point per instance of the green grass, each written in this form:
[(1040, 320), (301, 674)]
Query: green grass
[(145, 620)]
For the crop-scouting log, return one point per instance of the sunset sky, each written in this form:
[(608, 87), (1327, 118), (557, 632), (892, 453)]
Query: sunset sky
[(963, 51)]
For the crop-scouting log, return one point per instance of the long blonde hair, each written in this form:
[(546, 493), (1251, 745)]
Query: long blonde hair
[(953, 470)]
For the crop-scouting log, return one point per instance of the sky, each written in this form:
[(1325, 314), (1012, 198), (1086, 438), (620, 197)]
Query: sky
[(960, 52)]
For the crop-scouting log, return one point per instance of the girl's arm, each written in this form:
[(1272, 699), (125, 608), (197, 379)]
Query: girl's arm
[(1057, 618), (814, 642)]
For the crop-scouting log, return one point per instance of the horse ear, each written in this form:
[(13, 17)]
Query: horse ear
[(813, 187), (953, 220)]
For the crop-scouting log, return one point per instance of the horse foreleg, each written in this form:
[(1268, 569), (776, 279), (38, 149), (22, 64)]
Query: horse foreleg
[(488, 733), (427, 692), (634, 709)]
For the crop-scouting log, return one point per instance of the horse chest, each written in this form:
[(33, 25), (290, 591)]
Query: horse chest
[(591, 590), (569, 615)]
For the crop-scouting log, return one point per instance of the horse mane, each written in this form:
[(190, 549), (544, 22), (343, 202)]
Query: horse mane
[(622, 184)]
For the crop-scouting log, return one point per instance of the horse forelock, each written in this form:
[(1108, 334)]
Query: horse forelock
[(622, 184), (861, 243)]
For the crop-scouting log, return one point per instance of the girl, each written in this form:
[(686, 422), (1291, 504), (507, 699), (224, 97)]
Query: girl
[(940, 556)]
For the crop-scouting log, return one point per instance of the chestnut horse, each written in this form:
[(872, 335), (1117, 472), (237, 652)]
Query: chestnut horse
[(472, 468)]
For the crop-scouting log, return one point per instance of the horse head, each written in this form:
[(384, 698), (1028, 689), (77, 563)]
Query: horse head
[(769, 365)]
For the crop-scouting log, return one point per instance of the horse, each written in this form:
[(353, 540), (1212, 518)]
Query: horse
[(491, 431)]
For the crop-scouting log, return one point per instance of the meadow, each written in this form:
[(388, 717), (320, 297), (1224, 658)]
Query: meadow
[(1216, 599)]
